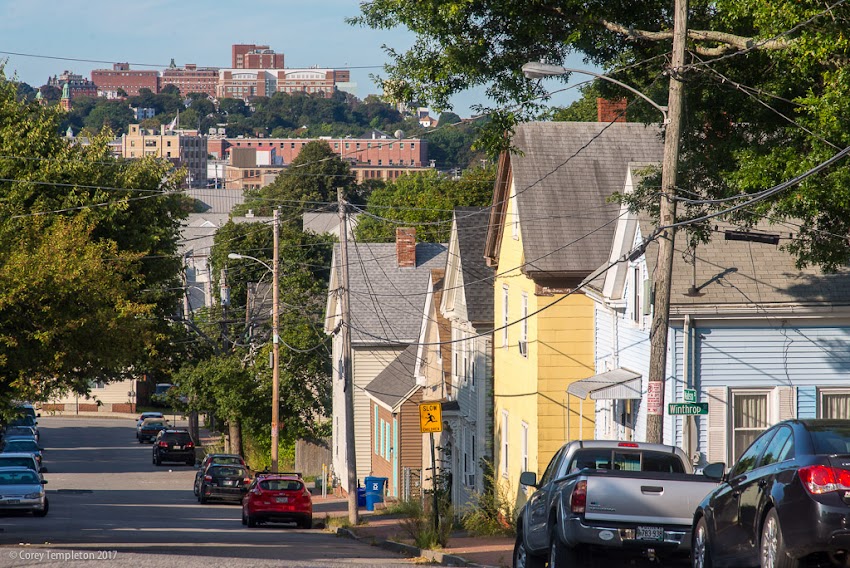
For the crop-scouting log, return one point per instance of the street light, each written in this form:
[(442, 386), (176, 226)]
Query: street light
[(275, 341), (537, 70)]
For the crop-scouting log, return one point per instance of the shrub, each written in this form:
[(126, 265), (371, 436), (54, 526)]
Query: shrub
[(492, 511)]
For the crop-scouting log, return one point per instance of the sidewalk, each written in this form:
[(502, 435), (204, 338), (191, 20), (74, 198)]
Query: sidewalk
[(462, 550)]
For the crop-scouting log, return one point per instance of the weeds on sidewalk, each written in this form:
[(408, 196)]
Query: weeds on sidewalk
[(492, 512)]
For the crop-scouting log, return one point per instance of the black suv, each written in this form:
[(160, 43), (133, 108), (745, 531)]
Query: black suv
[(174, 446)]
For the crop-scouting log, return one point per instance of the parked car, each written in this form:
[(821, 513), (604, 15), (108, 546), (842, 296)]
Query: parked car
[(150, 428), (785, 499), (279, 498), (174, 446), (160, 394), (624, 496), (26, 421), (226, 482), (24, 446), (226, 459), (144, 416), (20, 432), (22, 489), (26, 460)]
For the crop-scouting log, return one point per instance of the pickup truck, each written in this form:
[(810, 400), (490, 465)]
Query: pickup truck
[(626, 496)]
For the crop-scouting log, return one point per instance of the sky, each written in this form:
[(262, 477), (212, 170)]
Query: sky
[(152, 32)]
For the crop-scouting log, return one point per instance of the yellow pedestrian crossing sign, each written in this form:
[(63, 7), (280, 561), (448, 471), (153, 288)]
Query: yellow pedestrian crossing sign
[(430, 417)]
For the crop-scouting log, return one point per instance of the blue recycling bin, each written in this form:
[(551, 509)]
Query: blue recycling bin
[(361, 496), (374, 491)]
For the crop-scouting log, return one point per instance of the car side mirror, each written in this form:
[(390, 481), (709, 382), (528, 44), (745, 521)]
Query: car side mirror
[(44, 482), (528, 478), (715, 471)]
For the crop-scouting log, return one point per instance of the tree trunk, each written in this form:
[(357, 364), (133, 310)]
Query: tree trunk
[(235, 431)]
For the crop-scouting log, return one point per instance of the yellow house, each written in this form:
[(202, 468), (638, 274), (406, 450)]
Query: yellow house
[(551, 225)]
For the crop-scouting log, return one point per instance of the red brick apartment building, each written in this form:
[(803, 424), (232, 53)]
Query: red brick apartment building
[(250, 56), (191, 79), (78, 85), (122, 77)]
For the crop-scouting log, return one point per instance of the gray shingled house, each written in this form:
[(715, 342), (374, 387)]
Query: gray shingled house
[(388, 284)]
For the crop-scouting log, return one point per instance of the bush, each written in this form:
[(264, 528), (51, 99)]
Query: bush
[(493, 512), (419, 525)]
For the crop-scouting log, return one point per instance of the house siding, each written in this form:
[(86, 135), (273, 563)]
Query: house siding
[(381, 465)]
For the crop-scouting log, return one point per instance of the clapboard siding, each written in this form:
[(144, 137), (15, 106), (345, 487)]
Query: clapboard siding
[(411, 436), (382, 464), (807, 402)]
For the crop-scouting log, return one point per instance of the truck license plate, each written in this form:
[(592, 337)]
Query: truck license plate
[(650, 533)]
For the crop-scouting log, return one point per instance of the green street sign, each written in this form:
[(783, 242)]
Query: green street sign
[(687, 408), (690, 395)]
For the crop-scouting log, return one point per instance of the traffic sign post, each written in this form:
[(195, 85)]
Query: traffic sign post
[(430, 417), (687, 408)]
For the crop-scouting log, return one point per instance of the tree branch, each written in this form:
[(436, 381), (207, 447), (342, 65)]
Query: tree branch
[(730, 42)]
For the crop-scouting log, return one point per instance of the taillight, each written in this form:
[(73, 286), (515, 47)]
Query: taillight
[(819, 479), (578, 498), (247, 481), (208, 478), (163, 444), (628, 445), (190, 444)]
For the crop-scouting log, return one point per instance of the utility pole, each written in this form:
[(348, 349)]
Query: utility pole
[(664, 266), (348, 379), (275, 342)]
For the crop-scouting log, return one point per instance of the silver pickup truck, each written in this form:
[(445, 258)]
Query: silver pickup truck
[(630, 496)]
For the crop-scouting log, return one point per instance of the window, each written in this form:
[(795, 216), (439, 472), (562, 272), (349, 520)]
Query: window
[(524, 447), (636, 285), (781, 448), (750, 457), (834, 404), (465, 351), (749, 419), (472, 367), (504, 443), (514, 218), (523, 330), (465, 461), (383, 441), (504, 316), (387, 438), (472, 451)]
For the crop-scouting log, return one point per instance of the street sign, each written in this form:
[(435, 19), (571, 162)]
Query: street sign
[(687, 408), (690, 395), (430, 417)]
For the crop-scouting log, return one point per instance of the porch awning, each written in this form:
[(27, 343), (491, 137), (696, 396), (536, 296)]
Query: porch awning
[(617, 384)]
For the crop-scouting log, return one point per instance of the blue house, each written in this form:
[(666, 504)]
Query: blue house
[(757, 338)]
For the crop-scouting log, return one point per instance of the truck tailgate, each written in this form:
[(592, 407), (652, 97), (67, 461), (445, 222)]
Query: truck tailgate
[(644, 498)]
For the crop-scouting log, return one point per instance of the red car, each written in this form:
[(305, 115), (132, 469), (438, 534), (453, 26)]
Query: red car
[(278, 498)]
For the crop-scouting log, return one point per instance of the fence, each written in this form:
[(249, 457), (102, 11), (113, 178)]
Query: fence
[(411, 487)]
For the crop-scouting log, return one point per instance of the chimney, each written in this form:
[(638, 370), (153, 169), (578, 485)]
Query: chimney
[(405, 247), (611, 111)]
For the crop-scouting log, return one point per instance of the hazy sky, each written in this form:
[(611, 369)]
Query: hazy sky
[(152, 32)]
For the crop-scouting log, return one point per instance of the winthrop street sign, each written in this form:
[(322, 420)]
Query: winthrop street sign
[(687, 408)]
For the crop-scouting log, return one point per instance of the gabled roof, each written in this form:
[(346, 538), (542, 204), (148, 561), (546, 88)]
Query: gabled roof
[(396, 382), (471, 224), (387, 302), (563, 176)]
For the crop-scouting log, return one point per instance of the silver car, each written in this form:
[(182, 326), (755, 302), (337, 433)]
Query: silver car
[(22, 489)]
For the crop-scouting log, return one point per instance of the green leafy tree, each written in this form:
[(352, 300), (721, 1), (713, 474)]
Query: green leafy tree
[(451, 147), (312, 178), (447, 118), (767, 89), (113, 115), (88, 270), (425, 201)]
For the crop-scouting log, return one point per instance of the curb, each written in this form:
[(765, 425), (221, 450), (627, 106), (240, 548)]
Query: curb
[(433, 556)]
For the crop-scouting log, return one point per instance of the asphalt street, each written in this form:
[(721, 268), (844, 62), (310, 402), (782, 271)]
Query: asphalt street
[(110, 506)]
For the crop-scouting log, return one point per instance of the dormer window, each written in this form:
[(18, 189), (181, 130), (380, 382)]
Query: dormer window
[(637, 295)]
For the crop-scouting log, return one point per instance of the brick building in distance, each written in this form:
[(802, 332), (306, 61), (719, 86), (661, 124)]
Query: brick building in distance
[(184, 148), (250, 56), (78, 86), (248, 83), (190, 79), (122, 77)]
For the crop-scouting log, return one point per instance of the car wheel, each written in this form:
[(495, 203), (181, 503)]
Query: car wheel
[(195, 489), (42, 512), (700, 546), (251, 521), (157, 461), (244, 518), (560, 555), (202, 498), (772, 551), (523, 558)]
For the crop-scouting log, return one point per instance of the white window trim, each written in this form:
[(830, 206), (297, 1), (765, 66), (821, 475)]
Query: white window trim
[(523, 333), (524, 445), (505, 447), (827, 390), (772, 414), (504, 316)]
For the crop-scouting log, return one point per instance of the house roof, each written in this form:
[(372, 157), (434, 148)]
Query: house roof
[(471, 223), (563, 176), (396, 382), (321, 222), (216, 200), (197, 233), (387, 302)]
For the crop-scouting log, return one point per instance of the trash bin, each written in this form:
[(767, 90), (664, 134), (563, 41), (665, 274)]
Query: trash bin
[(361, 496), (374, 491)]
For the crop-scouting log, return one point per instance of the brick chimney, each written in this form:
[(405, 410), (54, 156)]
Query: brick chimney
[(405, 247), (611, 111)]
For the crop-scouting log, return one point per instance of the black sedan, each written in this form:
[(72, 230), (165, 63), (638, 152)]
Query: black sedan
[(787, 498), (226, 482)]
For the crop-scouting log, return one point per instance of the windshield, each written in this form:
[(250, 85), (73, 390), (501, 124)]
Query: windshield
[(23, 421), (162, 389), (228, 472), (280, 485), (17, 461), (153, 425), (20, 446), (831, 438), (601, 458), (18, 478), (227, 460)]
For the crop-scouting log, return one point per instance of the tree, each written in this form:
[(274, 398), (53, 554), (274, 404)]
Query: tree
[(170, 90), (767, 98), (114, 115), (425, 200), (451, 147), (233, 106), (447, 118), (88, 270), (312, 178)]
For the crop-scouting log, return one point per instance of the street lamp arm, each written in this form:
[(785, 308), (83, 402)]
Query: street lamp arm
[(537, 70), (237, 256)]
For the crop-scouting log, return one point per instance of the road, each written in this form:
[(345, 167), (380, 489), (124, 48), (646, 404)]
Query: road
[(110, 506)]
